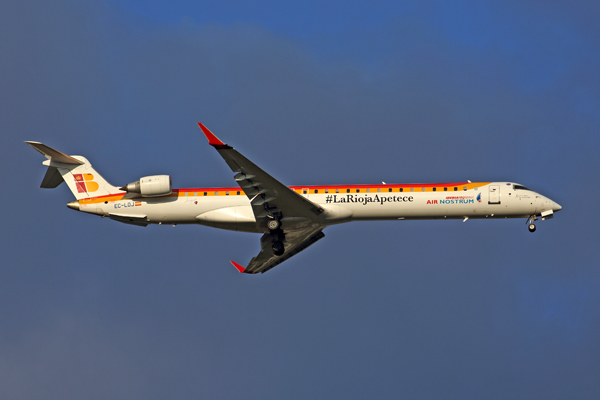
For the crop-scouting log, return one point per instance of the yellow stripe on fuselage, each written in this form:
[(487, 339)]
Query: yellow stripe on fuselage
[(205, 192)]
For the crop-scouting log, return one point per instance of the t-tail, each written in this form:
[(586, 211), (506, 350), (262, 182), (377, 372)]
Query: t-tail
[(76, 171)]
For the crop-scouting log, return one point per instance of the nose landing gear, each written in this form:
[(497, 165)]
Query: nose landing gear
[(531, 221)]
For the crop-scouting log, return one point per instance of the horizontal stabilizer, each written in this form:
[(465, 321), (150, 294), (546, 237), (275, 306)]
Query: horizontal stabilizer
[(54, 155)]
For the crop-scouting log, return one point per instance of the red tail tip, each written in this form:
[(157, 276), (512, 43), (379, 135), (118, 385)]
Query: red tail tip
[(238, 266), (212, 139)]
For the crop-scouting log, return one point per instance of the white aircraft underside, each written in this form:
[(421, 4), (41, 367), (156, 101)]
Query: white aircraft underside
[(290, 218)]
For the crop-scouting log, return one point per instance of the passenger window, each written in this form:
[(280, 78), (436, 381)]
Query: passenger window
[(402, 189), (379, 189), (185, 194), (305, 191), (422, 189), (238, 192), (445, 189), (347, 190), (412, 189), (226, 193), (434, 189), (216, 193), (465, 188), (455, 188), (390, 189), (337, 190), (357, 190), (368, 190), (316, 191), (475, 188), (326, 190), (205, 193)]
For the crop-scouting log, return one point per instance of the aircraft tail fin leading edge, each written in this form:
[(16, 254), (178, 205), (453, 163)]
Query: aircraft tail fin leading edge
[(76, 171)]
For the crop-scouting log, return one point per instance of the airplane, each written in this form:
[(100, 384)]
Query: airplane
[(291, 218)]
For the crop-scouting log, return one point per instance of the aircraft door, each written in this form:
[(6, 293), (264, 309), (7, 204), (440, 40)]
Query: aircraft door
[(494, 195)]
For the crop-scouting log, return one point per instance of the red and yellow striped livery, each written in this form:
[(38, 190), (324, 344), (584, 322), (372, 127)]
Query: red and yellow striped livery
[(290, 218)]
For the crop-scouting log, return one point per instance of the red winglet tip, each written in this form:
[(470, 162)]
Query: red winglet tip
[(238, 266), (212, 139)]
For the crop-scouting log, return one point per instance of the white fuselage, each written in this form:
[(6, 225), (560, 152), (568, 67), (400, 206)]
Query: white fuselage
[(291, 218), (229, 208)]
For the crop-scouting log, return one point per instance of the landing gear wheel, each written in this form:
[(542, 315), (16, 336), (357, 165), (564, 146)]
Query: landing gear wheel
[(278, 248), (531, 228), (273, 224)]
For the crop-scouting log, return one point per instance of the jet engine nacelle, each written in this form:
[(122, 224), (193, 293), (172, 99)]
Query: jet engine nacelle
[(150, 186)]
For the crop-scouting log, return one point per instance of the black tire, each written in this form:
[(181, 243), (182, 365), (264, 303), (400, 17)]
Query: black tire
[(273, 224), (531, 228), (278, 248)]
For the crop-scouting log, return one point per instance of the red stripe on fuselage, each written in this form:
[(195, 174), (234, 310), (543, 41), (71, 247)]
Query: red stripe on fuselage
[(311, 187), (175, 192)]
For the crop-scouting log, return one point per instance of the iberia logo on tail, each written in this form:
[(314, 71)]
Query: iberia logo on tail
[(85, 183)]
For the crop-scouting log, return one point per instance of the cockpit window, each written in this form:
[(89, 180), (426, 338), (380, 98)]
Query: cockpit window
[(520, 187)]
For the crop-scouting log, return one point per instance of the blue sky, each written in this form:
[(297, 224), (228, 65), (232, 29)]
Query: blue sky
[(314, 93)]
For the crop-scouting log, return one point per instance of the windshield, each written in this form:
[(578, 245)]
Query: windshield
[(520, 187)]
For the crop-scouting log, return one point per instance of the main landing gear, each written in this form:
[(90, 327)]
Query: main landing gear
[(274, 225), (278, 248), (531, 221)]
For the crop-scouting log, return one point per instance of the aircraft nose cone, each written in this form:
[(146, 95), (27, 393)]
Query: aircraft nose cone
[(556, 207)]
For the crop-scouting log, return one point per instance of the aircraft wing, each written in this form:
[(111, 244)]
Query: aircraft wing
[(269, 197), (295, 242)]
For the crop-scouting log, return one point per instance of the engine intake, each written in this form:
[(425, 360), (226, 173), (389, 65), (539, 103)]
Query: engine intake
[(150, 186)]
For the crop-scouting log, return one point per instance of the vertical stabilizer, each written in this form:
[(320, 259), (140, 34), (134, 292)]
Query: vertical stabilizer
[(76, 171)]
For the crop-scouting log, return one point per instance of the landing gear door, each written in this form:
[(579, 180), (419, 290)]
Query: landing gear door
[(494, 197)]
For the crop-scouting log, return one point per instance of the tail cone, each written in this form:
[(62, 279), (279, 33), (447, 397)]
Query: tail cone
[(74, 205)]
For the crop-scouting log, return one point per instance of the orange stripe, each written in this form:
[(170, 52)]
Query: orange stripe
[(418, 187)]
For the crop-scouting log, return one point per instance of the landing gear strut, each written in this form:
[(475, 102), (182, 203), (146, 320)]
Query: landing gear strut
[(275, 233), (531, 221)]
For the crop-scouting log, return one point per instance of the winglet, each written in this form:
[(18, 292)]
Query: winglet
[(212, 139), (236, 265)]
